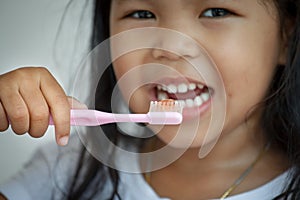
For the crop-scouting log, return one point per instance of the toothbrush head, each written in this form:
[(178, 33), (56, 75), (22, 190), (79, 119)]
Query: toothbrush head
[(167, 105), (165, 112)]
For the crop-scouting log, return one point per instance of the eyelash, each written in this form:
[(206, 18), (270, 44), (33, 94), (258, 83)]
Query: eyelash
[(219, 12), (145, 15), (213, 12)]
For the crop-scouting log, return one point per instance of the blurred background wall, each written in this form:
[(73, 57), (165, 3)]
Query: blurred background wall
[(29, 36)]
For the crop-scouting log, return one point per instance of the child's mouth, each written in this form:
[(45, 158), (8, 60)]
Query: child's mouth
[(190, 94)]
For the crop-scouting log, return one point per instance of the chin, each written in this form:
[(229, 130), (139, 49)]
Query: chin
[(184, 136)]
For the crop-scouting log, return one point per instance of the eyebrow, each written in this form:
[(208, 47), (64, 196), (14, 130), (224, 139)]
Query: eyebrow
[(152, 1), (120, 1), (126, 1)]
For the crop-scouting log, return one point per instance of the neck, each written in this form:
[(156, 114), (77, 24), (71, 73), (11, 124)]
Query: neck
[(210, 176), (235, 150)]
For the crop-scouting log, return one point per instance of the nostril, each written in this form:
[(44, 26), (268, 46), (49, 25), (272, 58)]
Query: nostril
[(165, 54), (177, 50)]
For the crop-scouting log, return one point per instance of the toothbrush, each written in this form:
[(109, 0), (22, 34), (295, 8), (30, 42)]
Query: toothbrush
[(160, 112)]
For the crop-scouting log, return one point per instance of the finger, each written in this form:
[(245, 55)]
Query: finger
[(59, 108), (16, 111), (37, 108), (3, 119), (75, 104)]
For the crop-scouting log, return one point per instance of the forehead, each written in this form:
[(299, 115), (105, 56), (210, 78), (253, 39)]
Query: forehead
[(182, 1)]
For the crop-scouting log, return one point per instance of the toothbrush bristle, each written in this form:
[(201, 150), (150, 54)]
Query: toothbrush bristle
[(167, 105)]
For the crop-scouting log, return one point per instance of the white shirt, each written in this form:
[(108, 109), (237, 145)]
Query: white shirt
[(40, 177)]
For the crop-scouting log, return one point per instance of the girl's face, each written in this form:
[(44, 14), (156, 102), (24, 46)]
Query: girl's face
[(242, 38)]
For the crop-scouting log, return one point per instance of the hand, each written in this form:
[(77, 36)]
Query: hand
[(28, 96)]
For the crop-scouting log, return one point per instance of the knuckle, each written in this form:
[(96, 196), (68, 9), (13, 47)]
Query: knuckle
[(19, 73), (40, 115), (3, 121), (62, 100), (61, 97), (30, 69), (37, 130), (5, 85), (20, 114), (19, 130), (42, 70), (21, 76), (25, 72), (3, 127), (36, 133)]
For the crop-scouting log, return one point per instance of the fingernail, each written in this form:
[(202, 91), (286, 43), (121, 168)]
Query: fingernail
[(63, 141)]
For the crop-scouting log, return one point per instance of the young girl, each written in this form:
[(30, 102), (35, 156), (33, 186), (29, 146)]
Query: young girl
[(254, 44)]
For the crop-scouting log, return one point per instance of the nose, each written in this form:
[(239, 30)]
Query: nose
[(173, 45)]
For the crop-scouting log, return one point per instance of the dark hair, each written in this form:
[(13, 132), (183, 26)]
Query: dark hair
[(281, 116), (280, 120)]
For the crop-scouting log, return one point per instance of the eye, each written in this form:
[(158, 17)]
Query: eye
[(216, 13), (142, 14)]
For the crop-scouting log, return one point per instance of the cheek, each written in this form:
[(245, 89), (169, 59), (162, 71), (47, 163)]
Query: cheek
[(250, 76), (130, 60), (123, 64), (246, 88), (130, 80), (247, 82), (247, 65), (247, 68)]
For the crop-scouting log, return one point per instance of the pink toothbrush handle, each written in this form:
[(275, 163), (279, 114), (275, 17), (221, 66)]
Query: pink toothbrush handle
[(96, 118)]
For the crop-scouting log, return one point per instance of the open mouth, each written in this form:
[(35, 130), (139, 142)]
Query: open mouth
[(190, 94)]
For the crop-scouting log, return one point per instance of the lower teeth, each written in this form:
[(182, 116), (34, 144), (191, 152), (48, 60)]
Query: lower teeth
[(196, 102)]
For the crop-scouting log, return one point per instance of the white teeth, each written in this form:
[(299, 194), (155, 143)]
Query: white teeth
[(162, 96), (182, 88), (172, 89), (189, 103), (200, 86), (192, 86), (205, 96), (164, 90), (182, 102), (198, 101)]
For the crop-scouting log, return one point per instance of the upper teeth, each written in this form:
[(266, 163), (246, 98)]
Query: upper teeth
[(181, 88)]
